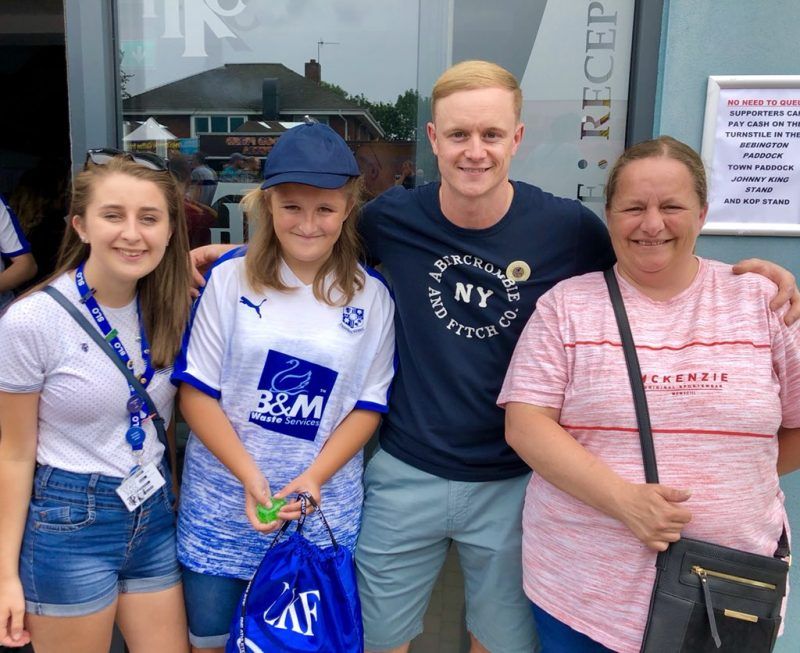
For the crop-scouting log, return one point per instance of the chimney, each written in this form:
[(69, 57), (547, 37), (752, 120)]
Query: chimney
[(270, 106), (313, 71)]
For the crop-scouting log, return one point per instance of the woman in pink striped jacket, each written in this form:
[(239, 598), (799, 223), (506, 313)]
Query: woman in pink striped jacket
[(722, 376)]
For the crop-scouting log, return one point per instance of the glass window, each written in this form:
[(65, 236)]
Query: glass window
[(230, 77), (219, 124), (201, 125)]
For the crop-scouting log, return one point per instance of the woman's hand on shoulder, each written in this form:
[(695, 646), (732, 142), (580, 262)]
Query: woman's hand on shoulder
[(305, 482), (12, 613), (654, 513)]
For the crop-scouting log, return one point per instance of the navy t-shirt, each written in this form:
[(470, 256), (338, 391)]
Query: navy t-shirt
[(462, 299)]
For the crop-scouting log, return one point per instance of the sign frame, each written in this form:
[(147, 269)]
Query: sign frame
[(715, 84)]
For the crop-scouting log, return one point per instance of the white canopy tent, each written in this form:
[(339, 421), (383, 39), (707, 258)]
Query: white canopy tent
[(151, 130)]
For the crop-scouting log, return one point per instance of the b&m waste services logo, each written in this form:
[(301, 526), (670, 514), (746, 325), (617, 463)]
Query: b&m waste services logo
[(292, 395)]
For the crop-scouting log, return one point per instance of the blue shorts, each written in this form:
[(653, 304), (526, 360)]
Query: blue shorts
[(557, 637), (210, 604), (82, 546), (410, 517)]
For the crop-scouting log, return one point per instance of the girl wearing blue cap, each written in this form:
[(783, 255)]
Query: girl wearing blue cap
[(284, 372)]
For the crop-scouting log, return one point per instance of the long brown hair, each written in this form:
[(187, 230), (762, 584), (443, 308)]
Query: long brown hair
[(164, 292), (262, 261)]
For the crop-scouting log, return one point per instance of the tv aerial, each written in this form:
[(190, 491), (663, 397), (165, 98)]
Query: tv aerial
[(320, 43)]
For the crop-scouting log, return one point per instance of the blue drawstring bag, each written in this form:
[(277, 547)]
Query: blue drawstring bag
[(302, 598)]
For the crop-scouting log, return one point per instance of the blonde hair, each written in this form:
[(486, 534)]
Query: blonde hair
[(263, 258), (164, 292), (669, 148), (474, 74)]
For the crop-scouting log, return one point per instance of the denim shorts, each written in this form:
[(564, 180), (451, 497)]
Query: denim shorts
[(210, 604), (82, 546)]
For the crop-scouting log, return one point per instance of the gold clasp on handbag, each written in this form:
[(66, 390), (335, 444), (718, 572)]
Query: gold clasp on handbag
[(743, 616), (700, 571)]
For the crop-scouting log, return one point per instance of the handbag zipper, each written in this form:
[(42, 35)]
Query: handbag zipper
[(701, 571), (712, 622)]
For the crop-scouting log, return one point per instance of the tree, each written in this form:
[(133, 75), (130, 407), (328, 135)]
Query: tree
[(407, 106), (398, 120), (124, 78), (335, 89)]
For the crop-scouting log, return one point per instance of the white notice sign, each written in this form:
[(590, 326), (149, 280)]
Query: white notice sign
[(755, 169)]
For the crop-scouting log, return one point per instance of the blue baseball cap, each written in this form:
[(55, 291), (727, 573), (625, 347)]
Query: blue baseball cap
[(311, 154)]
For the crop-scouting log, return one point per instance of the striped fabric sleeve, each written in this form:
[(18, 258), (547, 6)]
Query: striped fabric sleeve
[(538, 372), (200, 360), (786, 360)]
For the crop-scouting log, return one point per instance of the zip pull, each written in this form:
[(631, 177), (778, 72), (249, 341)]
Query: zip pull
[(709, 607), (696, 569)]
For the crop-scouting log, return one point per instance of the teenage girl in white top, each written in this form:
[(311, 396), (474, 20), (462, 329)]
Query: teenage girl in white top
[(73, 558)]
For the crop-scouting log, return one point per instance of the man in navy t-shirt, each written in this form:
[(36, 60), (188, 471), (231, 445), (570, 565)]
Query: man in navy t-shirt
[(467, 259)]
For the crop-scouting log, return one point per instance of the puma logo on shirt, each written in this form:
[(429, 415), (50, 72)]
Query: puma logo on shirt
[(256, 308)]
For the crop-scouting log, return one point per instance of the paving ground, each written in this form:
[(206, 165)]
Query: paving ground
[(444, 620)]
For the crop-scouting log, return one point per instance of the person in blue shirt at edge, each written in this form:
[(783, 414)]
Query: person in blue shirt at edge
[(467, 258), (284, 372), (16, 248)]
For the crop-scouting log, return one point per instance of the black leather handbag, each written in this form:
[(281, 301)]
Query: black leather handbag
[(706, 597)]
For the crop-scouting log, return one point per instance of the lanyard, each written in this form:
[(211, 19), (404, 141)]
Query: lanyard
[(135, 435)]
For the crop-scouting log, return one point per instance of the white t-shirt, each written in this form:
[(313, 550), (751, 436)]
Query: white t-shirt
[(12, 242), (83, 415), (721, 372), (286, 369)]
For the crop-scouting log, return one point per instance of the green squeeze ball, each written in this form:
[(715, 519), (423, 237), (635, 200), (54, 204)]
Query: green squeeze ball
[(266, 515)]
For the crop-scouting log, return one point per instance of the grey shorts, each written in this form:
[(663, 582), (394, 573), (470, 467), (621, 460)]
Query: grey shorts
[(409, 519)]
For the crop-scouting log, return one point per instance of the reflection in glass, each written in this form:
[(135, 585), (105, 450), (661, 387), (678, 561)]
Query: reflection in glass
[(227, 79)]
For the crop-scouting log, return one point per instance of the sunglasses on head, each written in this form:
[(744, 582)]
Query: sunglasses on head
[(101, 156)]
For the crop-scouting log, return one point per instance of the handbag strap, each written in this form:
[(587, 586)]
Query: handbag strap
[(158, 421), (640, 400), (635, 378)]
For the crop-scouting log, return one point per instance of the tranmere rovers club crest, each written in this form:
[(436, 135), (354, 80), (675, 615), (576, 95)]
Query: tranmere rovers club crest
[(353, 318)]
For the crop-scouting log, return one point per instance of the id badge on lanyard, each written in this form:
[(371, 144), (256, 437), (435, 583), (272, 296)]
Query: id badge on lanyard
[(142, 483), (144, 480)]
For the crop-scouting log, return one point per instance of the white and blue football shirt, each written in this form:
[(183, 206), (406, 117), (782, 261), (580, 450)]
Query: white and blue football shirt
[(286, 370)]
